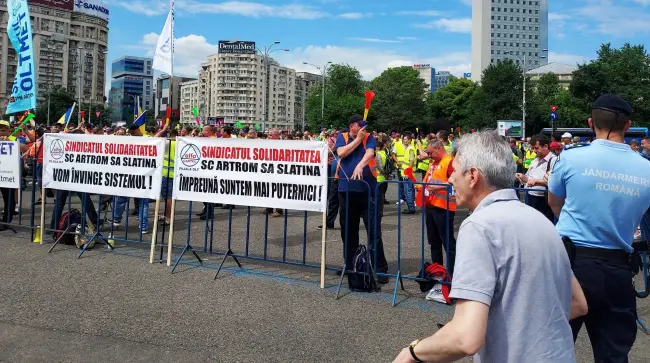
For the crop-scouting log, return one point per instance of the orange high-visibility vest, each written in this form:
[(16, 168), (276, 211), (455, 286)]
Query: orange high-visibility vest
[(372, 164), (437, 174)]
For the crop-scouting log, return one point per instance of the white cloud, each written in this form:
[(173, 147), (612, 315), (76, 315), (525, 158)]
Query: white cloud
[(466, 2), (353, 15), (642, 2), (457, 25), (370, 61), (421, 13), (566, 58), (148, 8), (375, 40), (189, 52), (243, 8), (615, 20), (407, 38), (252, 9), (557, 16)]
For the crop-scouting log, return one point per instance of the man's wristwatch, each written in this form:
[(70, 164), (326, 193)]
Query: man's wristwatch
[(411, 347)]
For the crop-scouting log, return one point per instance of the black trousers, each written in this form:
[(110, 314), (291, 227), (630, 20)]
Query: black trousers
[(437, 228), (611, 320), (332, 199), (9, 198), (350, 220), (62, 199), (383, 188), (541, 205)]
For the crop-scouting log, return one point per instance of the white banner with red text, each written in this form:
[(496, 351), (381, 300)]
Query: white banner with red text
[(259, 173), (10, 164), (109, 165)]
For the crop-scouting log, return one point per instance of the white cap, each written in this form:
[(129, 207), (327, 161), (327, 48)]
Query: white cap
[(566, 134)]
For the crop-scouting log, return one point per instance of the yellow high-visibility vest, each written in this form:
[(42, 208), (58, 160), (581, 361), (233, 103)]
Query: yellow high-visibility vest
[(168, 162), (382, 157)]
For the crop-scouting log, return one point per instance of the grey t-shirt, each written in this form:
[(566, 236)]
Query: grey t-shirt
[(510, 257)]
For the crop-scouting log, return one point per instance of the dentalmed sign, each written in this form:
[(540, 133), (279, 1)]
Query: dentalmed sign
[(96, 8)]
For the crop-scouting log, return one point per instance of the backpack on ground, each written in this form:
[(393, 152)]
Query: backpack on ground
[(363, 277), (72, 219), (435, 283)]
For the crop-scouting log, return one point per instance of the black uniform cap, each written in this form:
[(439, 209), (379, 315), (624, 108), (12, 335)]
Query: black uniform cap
[(355, 119), (613, 103)]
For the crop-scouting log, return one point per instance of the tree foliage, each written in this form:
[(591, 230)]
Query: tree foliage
[(400, 100), (343, 98), (452, 102), (624, 71)]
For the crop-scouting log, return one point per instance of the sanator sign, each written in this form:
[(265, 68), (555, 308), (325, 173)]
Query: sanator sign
[(95, 8), (236, 47)]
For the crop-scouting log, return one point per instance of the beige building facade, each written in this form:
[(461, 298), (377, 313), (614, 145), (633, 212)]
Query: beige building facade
[(69, 47)]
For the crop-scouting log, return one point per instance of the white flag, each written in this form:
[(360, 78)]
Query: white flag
[(163, 58)]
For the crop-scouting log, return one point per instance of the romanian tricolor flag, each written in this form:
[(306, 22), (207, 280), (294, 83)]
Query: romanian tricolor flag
[(141, 122), (65, 119)]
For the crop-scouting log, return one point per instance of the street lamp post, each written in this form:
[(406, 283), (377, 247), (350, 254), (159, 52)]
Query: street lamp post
[(266, 52), (523, 104), (324, 75), (80, 66)]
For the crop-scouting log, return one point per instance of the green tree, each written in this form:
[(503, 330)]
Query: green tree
[(549, 91), (400, 99), (343, 98), (60, 100), (499, 97), (452, 102), (624, 71)]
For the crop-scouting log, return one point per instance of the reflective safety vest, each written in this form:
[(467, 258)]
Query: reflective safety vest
[(528, 158), (372, 164), (404, 160), (168, 162), (423, 164), (399, 149), (437, 174), (449, 148), (382, 158)]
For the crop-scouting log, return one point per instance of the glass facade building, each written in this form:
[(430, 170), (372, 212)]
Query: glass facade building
[(132, 79)]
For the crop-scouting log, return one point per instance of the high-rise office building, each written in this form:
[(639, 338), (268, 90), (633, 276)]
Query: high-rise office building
[(237, 84), (305, 81), (509, 29), (132, 79), (427, 74), (168, 94), (63, 34), (189, 99), (442, 79)]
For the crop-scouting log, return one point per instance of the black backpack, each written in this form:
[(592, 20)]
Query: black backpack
[(363, 277), (389, 169), (72, 219)]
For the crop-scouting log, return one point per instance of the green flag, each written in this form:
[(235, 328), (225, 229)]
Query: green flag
[(195, 111), (257, 128), (239, 125)]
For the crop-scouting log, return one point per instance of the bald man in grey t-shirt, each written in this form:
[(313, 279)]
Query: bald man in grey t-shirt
[(512, 283)]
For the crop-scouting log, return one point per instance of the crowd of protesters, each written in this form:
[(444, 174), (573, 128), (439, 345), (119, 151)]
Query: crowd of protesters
[(499, 270)]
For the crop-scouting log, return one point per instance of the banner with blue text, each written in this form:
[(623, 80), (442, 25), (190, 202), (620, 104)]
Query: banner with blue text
[(19, 29), (9, 164), (124, 166), (258, 173)]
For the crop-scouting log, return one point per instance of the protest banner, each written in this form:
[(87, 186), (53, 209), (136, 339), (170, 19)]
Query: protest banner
[(9, 164), (257, 173), (108, 165)]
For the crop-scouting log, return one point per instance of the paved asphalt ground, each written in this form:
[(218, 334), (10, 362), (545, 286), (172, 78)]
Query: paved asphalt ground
[(115, 306)]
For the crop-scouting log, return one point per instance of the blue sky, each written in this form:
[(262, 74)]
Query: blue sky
[(369, 34)]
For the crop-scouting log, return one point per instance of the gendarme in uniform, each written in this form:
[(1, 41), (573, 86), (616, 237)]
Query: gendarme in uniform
[(603, 190)]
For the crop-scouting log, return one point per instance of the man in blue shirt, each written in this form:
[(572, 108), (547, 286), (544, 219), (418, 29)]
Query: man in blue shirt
[(356, 151), (599, 193)]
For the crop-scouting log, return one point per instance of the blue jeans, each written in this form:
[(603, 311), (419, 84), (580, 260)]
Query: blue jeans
[(408, 190), (143, 215)]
